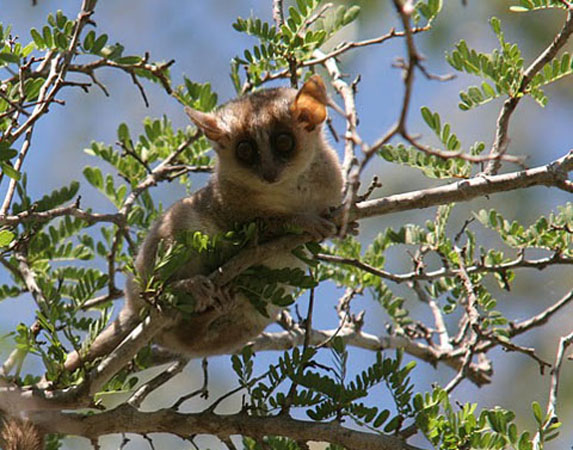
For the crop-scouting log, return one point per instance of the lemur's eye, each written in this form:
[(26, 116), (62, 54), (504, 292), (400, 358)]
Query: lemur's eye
[(246, 152), (284, 143)]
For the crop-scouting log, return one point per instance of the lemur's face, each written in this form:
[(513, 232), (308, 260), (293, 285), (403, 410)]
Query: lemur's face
[(265, 137)]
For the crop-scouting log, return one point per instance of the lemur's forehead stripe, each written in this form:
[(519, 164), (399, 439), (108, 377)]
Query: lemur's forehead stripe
[(257, 110)]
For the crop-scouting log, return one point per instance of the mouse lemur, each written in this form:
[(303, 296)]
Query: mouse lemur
[(273, 164)]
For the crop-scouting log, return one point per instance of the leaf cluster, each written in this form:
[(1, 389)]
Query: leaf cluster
[(532, 5), (308, 25), (53, 250), (435, 166), (552, 233), (56, 41), (504, 67), (427, 10), (493, 428), (325, 394)]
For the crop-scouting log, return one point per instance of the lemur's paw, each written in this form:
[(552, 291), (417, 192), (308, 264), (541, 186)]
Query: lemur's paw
[(202, 290), (209, 296), (317, 226)]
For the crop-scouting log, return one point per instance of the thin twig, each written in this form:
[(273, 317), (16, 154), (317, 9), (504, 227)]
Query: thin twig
[(512, 347), (539, 264), (515, 329), (174, 369), (470, 304), (351, 336), (343, 309), (347, 93), (100, 300), (17, 166), (202, 391), (56, 80), (551, 413), (440, 324), (278, 14), (158, 173), (72, 210), (321, 58)]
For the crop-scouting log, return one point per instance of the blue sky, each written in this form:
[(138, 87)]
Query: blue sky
[(199, 36)]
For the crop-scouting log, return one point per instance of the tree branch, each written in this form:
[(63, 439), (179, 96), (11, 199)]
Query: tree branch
[(551, 174), (501, 139), (284, 340), (539, 264), (125, 419), (30, 215)]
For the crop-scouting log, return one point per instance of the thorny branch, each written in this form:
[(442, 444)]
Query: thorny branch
[(127, 419), (552, 174), (74, 210)]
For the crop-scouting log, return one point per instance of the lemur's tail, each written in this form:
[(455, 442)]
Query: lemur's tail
[(19, 434)]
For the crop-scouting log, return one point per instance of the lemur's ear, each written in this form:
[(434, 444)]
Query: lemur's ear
[(206, 122), (309, 106)]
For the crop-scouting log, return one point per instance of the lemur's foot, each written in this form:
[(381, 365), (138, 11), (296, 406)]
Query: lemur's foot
[(352, 229), (319, 227), (207, 295)]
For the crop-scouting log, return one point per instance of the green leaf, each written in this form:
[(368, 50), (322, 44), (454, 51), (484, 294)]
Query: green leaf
[(351, 14), (99, 44), (61, 40), (537, 413), (488, 90), (392, 425), (61, 19), (37, 37), (94, 176), (9, 57), (428, 117), (129, 60), (6, 237), (7, 153), (296, 17), (496, 25), (58, 197), (89, 40), (47, 35), (524, 442), (533, 5), (512, 433), (122, 132), (10, 171), (382, 417)]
